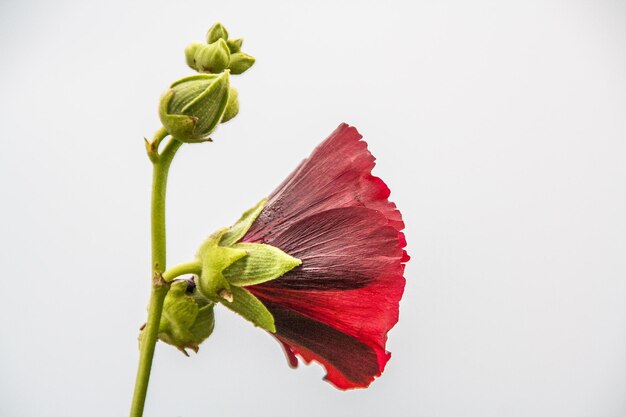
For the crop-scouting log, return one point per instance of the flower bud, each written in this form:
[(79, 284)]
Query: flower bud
[(213, 58), (240, 62), (190, 53), (193, 106), (234, 45), (217, 32), (232, 107), (187, 320)]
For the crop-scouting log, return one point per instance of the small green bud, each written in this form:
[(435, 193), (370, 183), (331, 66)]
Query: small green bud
[(193, 106), (213, 58), (190, 54), (232, 108), (217, 31), (234, 45), (240, 62), (187, 320)]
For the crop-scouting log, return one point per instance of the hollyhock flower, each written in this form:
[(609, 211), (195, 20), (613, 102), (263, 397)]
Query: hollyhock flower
[(337, 306)]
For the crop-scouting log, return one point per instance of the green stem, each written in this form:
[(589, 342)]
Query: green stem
[(159, 286), (193, 267)]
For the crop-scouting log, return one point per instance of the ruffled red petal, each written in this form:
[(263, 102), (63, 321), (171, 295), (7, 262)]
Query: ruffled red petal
[(349, 362), (337, 307), (337, 174), (345, 330)]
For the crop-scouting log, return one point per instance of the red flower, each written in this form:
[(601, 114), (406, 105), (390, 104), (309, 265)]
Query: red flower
[(337, 307)]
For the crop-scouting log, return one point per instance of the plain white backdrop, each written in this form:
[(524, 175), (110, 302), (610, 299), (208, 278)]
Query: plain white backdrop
[(499, 125)]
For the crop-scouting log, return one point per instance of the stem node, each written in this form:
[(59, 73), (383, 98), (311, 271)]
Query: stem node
[(158, 281)]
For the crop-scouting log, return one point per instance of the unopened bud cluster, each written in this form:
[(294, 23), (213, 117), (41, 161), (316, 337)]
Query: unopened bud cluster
[(194, 106), (218, 53)]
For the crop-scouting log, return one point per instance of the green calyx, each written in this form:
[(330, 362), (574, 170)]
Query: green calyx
[(193, 106), (214, 259), (228, 266)]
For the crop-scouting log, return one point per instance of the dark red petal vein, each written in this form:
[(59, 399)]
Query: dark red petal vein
[(340, 249), (366, 314)]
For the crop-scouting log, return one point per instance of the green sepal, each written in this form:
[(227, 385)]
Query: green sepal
[(241, 227), (178, 125), (210, 105), (250, 308), (186, 321), (263, 263), (216, 32), (232, 107), (234, 45), (213, 58), (240, 62), (195, 77)]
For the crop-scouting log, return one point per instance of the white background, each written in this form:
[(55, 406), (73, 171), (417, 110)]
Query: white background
[(500, 127)]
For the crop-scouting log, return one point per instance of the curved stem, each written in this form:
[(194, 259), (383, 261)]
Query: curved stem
[(193, 267), (159, 286)]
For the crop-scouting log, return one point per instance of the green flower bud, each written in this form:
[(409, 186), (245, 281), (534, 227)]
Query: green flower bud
[(240, 62), (213, 58), (234, 45), (217, 31), (193, 106), (190, 54), (232, 108), (187, 319)]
